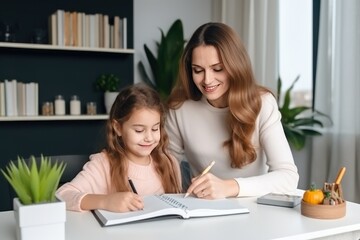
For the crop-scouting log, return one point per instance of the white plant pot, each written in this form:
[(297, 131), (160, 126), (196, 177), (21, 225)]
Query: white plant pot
[(40, 221), (109, 99)]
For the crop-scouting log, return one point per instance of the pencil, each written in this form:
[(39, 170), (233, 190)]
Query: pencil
[(340, 175), (132, 186), (206, 170)]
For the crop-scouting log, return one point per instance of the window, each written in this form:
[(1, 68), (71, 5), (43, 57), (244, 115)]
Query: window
[(295, 57)]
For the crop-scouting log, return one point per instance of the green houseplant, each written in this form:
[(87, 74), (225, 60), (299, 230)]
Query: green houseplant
[(300, 121), (33, 184), (109, 84), (165, 66), (36, 209)]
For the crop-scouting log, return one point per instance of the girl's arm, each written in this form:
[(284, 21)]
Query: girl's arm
[(115, 202), (93, 179)]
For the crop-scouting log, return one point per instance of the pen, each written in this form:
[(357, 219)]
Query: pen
[(340, 175), (132, 186), (206, 170)]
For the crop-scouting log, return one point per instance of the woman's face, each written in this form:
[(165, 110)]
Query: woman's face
[(209, 75)]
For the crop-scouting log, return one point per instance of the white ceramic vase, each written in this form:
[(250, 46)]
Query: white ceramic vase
[(40, 221), (109, 99)]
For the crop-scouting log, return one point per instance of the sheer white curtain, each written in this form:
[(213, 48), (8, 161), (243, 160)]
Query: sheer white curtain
[(337, 94), (256, 21)]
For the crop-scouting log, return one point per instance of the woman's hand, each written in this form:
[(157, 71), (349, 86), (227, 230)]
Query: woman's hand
[(115, 202), (209, 186)]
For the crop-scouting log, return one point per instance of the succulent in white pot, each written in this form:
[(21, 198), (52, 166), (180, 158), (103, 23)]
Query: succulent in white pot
[(38, 213)]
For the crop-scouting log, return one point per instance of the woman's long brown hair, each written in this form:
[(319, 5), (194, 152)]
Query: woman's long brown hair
[(134, 97), (244, 96)]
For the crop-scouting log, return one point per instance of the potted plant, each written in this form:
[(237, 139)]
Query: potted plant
[(165, 66), (300, 121), (37, 211), (109, 84)]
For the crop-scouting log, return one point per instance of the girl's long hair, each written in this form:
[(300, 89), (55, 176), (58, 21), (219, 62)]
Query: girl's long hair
[(244, 96), (134, 97)]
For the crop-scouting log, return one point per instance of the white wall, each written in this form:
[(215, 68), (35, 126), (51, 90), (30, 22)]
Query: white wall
[(149, 16)]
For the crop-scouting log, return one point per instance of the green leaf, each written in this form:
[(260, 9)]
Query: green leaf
[(298, 122), (146, 77), (288, 94), (34, 184), (14, 177), (306, 122), (17, 186), (295, 137), (34, 181), (152, 61), (311, 132), (292, 113), (166, 66), (279, 85)]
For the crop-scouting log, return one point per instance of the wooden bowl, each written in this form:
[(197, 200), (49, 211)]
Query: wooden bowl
[(323, 211)]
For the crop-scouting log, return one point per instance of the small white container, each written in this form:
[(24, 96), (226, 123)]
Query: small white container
[(41, 221), (75, 105), (59, 105)]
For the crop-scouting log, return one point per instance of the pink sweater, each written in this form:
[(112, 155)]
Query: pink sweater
[(95, 179)]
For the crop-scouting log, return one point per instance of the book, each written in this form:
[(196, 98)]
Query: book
[(124, 33), (116, 32), (80, 28), (21, 99), (74, 30), (10, 97), (67, 28), (31, 90), (60, 27), (120, 30), (2, 99), (166, 205), (86, 36), (92, 30), (53, 29), (106, 28)]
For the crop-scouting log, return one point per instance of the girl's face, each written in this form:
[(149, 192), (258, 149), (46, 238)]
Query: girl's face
[(141, 134), (210, 76)]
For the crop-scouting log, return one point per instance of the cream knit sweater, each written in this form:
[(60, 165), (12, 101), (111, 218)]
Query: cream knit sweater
[(198, 130)]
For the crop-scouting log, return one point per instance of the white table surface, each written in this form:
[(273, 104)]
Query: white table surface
[(263, 222)]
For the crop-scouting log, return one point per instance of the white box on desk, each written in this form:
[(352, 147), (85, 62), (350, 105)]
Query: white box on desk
[(40, 221)]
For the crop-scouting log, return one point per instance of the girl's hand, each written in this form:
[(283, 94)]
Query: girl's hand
[(123, 202), (209, 186), (115, 202)]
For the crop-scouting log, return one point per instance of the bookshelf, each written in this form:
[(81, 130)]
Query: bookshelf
[(65, 48), (56, 118), (64, 70), (44, 47)]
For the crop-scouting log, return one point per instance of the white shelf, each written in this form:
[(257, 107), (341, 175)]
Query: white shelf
[(63, 48), (55, 118)]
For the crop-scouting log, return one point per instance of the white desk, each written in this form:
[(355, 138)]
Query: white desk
[(263, 222)]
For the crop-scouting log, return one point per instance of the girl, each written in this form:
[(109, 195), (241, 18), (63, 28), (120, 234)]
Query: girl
[(135, 153), (234, 121)]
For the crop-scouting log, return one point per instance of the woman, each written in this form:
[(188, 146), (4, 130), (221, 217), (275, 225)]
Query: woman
[(218, 112)]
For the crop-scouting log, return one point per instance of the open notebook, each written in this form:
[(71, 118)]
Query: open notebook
[(173, 205)]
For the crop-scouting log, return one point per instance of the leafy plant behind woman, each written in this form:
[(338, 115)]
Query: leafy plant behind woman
[(300, 121), (165, 66)]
